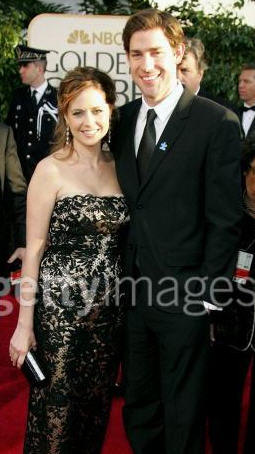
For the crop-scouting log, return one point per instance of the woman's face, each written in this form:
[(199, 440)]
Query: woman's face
[(88, 117), (250, 180)]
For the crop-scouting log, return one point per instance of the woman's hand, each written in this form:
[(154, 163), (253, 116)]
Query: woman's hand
[(22, 341)]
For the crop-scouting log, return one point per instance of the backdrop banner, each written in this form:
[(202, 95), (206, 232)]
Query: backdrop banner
[(84, 40)]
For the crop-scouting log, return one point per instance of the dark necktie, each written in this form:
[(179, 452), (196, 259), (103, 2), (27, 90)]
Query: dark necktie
[(33, 99), (246, 109), (147, 145)]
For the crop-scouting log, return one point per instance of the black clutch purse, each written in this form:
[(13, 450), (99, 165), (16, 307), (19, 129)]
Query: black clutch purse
[(33, 370)]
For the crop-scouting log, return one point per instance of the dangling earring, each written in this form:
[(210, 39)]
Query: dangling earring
[(67, 135), (109, 135)]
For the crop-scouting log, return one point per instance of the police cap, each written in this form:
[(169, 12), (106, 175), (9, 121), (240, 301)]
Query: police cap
[(27, 54)]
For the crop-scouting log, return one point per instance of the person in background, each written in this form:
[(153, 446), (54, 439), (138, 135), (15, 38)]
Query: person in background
[(178, 164), (76, 322), (33, 109), (12, 201), (246, 89), (192, 68), (193, 65), (233, 335)]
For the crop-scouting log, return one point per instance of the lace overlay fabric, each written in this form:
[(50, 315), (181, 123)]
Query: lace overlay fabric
[(78, 325)]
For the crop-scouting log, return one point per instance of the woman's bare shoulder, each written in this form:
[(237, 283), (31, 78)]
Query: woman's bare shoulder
[(51, 164), (47, 172)]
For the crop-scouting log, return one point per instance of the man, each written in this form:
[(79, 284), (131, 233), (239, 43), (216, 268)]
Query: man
[(246, 88), (193, 65), (33, 111), (233, 349), (192, 68), (13, 191), (184, 200)]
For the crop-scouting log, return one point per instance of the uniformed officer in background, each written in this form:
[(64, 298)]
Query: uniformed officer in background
[(33, 109)]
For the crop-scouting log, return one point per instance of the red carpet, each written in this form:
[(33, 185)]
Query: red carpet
[(14, 397)]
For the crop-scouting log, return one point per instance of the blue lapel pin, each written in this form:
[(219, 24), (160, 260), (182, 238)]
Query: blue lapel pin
[(163, 146)]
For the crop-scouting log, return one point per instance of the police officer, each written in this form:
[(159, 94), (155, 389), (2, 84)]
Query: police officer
[(33, 109)]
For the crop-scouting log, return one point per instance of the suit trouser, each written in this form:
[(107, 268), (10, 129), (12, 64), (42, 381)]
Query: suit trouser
[(165, 375), (228, 370)]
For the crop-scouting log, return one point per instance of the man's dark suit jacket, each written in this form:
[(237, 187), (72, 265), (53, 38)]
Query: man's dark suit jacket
[(12, 194), (219, 99), (185, 217), (251, 131)]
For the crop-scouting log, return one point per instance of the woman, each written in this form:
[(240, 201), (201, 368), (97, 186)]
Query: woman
[(234, 336), (75, 197)]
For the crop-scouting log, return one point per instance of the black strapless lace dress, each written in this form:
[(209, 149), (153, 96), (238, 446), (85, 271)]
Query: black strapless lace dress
[(77, 325)]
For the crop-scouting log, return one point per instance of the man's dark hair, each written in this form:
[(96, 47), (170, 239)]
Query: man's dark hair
[(150, 19), (248, 152), (248, 66)]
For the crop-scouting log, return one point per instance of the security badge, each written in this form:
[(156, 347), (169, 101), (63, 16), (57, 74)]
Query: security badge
[(243, 267)]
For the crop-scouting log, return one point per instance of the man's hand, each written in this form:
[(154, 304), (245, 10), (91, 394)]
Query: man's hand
[(19, 253)]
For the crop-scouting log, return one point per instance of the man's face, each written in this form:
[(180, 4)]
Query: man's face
[(246, 86), (153, 63), (188, 72), (30, 73)]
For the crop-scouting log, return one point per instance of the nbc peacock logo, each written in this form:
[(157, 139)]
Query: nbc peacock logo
[(102, 37), (78, 36)]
